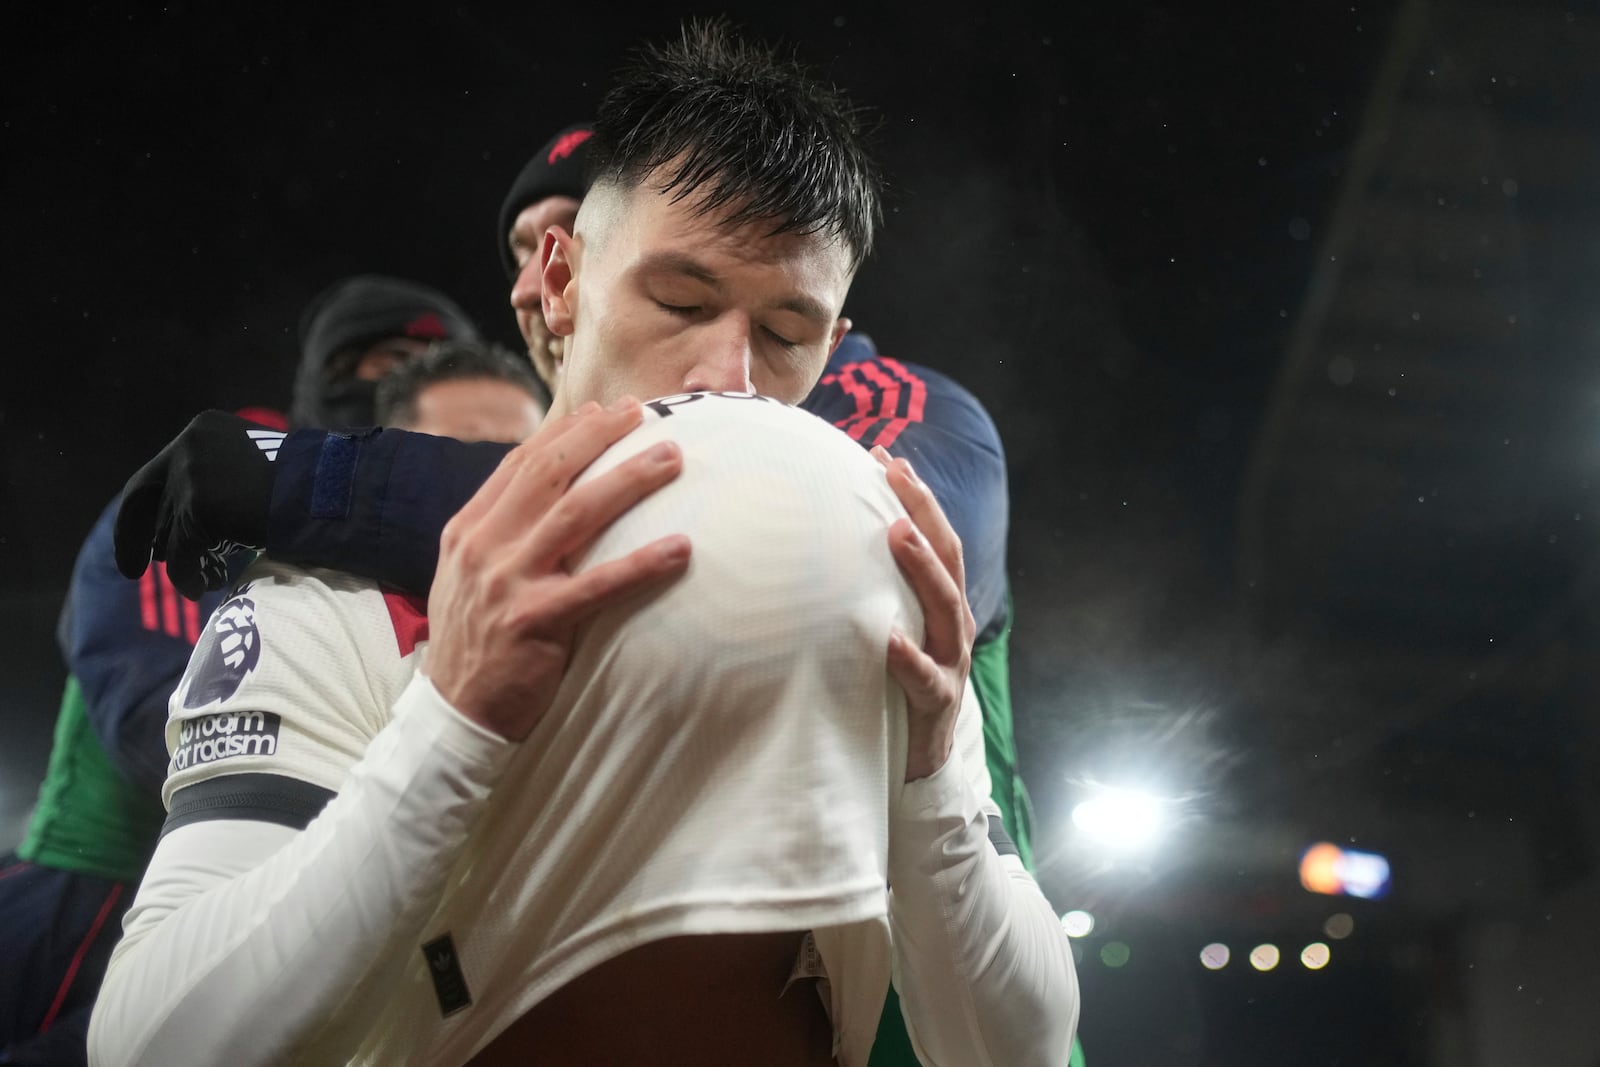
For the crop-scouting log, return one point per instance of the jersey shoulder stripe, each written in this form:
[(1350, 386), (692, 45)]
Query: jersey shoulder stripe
[(883, 396)]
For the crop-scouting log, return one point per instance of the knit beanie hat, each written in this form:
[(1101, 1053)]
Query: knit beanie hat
[(557, 169), (357, 312)]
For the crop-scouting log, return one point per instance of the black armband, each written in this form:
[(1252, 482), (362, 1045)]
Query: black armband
[(1003, 845), (270, 798)]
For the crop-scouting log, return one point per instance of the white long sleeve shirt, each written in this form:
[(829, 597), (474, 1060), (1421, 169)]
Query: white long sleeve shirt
[(724, 757)]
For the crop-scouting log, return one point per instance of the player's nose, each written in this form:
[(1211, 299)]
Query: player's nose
[(527, 290), (723, 365)]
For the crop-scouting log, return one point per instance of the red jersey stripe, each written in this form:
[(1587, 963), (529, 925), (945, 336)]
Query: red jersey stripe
[(147, 597), (77, 957), (916, 394), (919, 388), (856, 423), (884, 390), (169, 602), (888, 408)]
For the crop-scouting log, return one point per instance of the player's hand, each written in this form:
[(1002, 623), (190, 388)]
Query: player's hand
[(928, 552), (504, 604), (204, 495)]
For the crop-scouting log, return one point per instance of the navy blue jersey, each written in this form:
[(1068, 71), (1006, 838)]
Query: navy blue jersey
[(374, 502), (951, 442), (128, 644)]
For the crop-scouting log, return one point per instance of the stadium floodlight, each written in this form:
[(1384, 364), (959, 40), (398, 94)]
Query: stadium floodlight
[(1122, 819)]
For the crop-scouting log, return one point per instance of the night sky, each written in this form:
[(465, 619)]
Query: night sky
[(1103, 221)]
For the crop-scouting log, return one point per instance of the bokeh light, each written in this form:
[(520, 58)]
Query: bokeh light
[(1339, 926), (1314, 956), (1319, 869), (1115, 954), (1327, 868), (1264, 957), (1077, 923), (1215, 956)]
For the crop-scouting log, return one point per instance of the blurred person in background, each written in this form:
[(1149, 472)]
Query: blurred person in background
[(466, 390), (99, 813)]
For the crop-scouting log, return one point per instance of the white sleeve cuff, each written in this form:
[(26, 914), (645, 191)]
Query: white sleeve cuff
[(474, 745), (233, 925)]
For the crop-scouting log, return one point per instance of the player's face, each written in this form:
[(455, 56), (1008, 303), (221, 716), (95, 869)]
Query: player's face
[(476, 409), (526, 239), (653, 299)]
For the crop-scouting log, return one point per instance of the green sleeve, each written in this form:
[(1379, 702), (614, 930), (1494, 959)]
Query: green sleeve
[(991, 677), (89, 818)]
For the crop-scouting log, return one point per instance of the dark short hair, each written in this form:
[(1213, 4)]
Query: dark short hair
[(451, 361), (750, 132)]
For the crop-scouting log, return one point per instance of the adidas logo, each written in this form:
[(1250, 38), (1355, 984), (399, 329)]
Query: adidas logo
[(268, 441)]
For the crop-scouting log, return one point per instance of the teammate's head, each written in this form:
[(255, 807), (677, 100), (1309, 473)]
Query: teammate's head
[(732, 200), (546, 193), (463, 389), (357, 330)]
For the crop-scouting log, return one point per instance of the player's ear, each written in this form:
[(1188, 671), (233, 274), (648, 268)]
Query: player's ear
[(840, 328), (559, 256)]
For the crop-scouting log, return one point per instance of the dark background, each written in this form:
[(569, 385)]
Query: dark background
[(1285, 313)]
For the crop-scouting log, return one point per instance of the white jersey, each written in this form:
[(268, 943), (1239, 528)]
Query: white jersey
[(722, 757)]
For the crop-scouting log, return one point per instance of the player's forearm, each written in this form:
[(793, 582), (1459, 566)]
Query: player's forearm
[(984, 972), (239, 958), (373, 503)]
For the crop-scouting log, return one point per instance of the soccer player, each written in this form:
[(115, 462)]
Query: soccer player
[(126, 646), (525, 850), (911, 410)]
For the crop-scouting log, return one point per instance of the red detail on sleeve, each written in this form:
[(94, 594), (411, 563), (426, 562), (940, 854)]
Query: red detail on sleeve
[(147, 597), (565, 146), (855, 424), (888, 387), (878, 397), (271, 419), (919, 389), (916, 398), (77, 957), (169, 602), (409, 616)]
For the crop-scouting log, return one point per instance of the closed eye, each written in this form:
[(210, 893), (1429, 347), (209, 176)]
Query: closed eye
[(782, 340), (677, 309)]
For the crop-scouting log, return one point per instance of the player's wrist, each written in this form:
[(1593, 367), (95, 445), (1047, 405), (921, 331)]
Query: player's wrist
[(926, 760), (471, 738), (484, 706)]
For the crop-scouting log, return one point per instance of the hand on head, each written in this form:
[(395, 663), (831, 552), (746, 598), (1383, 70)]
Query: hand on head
[(934, 676), (505, 604)]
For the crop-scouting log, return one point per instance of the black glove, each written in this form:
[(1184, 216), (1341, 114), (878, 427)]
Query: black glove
[(206, 494)]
